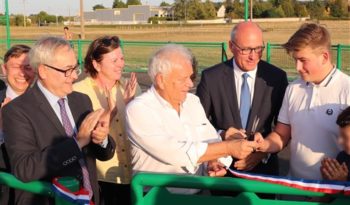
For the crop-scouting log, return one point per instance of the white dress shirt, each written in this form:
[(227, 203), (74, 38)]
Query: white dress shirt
[(164, 141), (239, 80)]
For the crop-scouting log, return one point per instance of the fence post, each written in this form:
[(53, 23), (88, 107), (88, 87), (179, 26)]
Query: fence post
[(223, 51), (8, 35), (80, 54), (122, 45), (268, 52), (339, 54)]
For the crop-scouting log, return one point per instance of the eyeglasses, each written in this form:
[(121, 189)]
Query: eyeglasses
[(246, 51), (68, 72)]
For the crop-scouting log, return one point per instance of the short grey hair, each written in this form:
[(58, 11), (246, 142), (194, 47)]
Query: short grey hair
[(43, 52), (161, 63)]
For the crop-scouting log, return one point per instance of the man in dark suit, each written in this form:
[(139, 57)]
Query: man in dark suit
[(19, 76), (244, 94), (51, 131)]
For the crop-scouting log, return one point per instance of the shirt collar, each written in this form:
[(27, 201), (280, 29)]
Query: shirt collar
[(10, 93), (239, 72), (53, 99), (325, 81)]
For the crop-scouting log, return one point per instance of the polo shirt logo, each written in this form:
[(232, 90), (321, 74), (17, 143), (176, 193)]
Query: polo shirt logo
[(329, 112)]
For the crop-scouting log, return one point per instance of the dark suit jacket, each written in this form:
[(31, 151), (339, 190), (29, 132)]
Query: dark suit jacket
[(217, 92), (38, 147), (4, 161)]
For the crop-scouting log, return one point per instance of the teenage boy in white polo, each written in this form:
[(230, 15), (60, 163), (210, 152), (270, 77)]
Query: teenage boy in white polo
[(311, 104)]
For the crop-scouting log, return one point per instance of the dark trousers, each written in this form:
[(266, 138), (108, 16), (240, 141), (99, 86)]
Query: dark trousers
[(6, 193), (115, 194)]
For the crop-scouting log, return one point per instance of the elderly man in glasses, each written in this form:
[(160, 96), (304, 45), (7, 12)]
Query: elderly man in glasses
[(244, 94), (51, 131)]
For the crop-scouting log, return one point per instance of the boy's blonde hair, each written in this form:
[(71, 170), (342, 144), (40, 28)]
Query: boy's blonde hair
[(310, 35)]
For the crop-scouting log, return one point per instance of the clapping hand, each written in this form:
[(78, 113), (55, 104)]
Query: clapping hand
[(130, 88), (331, 169)]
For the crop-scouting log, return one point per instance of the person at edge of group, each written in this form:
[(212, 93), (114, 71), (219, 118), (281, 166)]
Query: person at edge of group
[(244, 94), (19, 77), (51, 131), (104, 62), (338, 169), (167, 126), (307, 119)]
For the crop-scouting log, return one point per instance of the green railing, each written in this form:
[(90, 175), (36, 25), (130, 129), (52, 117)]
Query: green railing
[(158, 194), (39, 187)]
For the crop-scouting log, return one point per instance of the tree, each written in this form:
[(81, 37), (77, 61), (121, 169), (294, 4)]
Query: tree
[(98, 6), (209, 9), (338, 8), (118, 4), (179, 9), (133, 2), (238, 9), (195, 10), (260, 9), (276, 12), (288, 8), (164, 4), (300, 10), (229, 8), (316, 9)]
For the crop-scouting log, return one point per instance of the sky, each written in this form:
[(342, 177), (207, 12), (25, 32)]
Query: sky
[(60, 7)]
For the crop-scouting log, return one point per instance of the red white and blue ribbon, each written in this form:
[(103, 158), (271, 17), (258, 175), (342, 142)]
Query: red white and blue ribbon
[(328, 187), (80, 197)]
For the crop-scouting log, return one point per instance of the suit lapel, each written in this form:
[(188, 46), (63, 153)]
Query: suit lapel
[(259, 90), (230, 87), (46, 108)]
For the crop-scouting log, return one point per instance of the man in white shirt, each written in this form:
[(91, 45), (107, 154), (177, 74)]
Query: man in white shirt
[(19, 76), (167, 126), (311, 104)]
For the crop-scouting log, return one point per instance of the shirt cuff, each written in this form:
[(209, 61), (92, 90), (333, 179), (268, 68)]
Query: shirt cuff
[(195, 151), (104, 143), (227, 161)]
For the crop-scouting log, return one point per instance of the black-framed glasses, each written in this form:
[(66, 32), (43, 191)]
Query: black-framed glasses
[(246, 51), (68, 72)]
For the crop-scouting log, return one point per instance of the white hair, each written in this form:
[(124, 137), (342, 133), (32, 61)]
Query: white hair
[(161, 63)]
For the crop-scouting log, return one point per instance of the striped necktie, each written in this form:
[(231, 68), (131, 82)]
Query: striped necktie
[(70, 132)]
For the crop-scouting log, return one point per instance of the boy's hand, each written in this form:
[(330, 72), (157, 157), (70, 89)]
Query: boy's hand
[(332, 170)]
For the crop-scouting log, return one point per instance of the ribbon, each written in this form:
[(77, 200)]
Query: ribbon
[(80, 197), (328, 187)]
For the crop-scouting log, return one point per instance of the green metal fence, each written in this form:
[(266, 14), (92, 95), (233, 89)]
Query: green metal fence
[(137, 53), (158, 194)]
